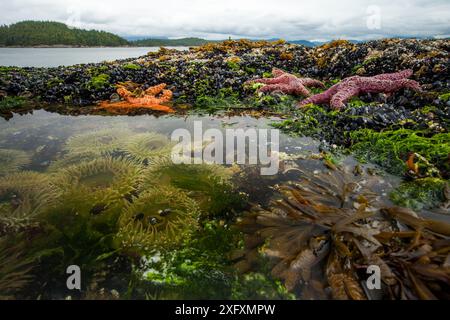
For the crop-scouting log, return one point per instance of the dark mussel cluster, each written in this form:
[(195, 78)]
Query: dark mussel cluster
[(207, 69)]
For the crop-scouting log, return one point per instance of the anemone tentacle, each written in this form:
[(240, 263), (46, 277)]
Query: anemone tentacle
[(12, 160), (158, 218)]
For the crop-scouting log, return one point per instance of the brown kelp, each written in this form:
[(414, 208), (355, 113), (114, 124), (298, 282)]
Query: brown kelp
[(327, 228), (12, 160), (106, 179), (148, 148), (157, 218), (23, 196), (102, 141)]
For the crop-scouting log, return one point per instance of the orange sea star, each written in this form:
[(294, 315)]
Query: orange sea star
[(152, 98)]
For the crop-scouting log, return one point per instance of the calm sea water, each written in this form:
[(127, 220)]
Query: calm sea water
[(53, 57)]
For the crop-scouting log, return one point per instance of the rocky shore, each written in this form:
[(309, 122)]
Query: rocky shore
[(213, 67), (213, 77), (111, 197)]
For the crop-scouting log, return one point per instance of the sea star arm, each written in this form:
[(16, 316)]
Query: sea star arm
[(153, 91), (308, 82), (278, 72), (285, 88), (388, 86), (166, 96), (323, 97), (342, 96), (123, 92), (394, 76)]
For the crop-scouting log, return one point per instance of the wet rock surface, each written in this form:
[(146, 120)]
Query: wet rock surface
[(198, 76), (229, 65)]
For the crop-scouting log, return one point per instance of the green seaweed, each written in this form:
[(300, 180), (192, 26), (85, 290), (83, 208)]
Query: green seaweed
[(225, 99), (420, 194), (233, 65), (445, 97), (200, 269), (99, 81), (131, 66), (257, 286), (11, 103), (53, 82), (305, 122), (391, 149)]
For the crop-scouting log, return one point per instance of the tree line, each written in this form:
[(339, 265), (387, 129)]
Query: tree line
[(35, 33)]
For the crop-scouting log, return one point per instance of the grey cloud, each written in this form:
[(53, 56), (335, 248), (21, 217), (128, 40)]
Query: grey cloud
[(289, 19)]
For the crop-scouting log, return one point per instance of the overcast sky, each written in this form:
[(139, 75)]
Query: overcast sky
[(214, 19)]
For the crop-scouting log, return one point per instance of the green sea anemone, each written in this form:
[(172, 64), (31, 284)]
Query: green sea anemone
[(23, 196), (12, 160), (106, 180), (76, 231), (209, 185), (70, 160), (100, 142), (14, 270), (148, 148), (158, 218)]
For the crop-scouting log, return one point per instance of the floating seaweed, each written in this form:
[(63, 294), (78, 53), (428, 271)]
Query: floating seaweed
[(23, 196), (209, 185), (148, 148), (101, 142), (12, 160), (158, 218), (106, 180), (326, 229)]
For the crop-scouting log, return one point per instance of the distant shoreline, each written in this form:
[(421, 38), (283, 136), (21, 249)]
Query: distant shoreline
[(70, 46)]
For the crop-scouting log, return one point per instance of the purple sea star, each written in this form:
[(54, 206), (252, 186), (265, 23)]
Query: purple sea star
[(287, 83), (341, 92)]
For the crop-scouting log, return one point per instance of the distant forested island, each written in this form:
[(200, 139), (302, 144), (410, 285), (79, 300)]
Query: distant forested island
[(46, 33), (49, 33)]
